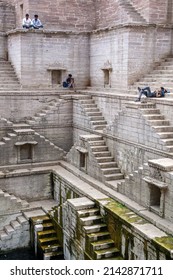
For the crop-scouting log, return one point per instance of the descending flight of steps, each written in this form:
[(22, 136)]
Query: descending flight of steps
[(130, 10), (10, 201), (162, 75), (48, 247), (14, 231), (110, 172), (96, 119), (99, 246), (8, 78), (161, 126)]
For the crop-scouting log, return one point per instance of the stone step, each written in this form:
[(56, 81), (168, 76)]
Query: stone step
[(41, 219), (85, 106), (88, 212), (96, 118), (158, 122), (163, 128), (93, 114), (6, 139), (116, 176), (99, 127), (102, 154), (168, 141), (98, 236), (51, 248), (22, 131), (96, 143), (95, 228), (9, 229), (104, 159), (47, 241), (99, 148), (92, 137), (112, 170), (154, 117), (107, 164), (170, 149), (91, 220), (89, 101), (106, 253), (2, 143), (53, 256), (15, 224), (165, 135), (46, 233), (98, 123), (22, 220), (150, 111), (91, 110), (102, 244)]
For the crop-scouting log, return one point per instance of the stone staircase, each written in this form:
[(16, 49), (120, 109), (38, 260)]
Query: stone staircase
[(11, 202), (134, 15), (24, 132), (161, 75), (96, 119), (17, 232), (8, 78), (48, 247), (99, 244), (160, 126), (110, 172), (39, 116)]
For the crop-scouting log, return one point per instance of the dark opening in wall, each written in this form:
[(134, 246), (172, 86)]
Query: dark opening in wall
[(56, 77), (26, 152), (82, 160)]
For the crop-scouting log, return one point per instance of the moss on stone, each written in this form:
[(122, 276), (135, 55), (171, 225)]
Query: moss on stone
[(166, 242), (123, 212)]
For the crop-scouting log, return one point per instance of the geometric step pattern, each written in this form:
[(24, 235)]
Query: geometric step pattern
[(160, 126), (23, 131), (8, 78), (161, 75), (110, 172), (16, 233), (99, 245), (11, 202), (96, 119), (48, 246), (39, 116), (129, 9)]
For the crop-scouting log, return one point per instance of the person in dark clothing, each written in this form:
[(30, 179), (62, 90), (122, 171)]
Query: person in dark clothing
[(146, 91), (69, 83)]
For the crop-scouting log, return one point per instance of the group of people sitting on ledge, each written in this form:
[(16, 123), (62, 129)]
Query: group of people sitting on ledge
[(146, 91), (28, 23)]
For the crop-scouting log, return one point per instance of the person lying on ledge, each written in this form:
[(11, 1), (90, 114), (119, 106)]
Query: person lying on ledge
[(146, 91)]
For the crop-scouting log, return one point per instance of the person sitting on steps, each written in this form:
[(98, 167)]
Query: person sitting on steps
[(146, 91)]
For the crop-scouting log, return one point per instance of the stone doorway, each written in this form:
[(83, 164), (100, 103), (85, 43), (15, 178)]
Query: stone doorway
[(56, 78)]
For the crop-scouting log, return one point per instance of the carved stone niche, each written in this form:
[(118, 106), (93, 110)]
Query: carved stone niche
[(25, 151), (107, 69), (156, 185), (57, 73)]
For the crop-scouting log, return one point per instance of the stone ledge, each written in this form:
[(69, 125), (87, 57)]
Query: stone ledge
[(164, 164), (155, 182)]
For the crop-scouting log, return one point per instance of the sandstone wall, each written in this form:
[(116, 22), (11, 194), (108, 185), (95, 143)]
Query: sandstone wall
[(39, 52), (28, 185), (109, 50)]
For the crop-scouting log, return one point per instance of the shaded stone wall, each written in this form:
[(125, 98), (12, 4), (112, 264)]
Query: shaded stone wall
[(142, 6), (34, 53), (59, 15)]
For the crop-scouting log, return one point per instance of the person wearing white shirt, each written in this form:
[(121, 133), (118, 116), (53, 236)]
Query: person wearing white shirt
[(36, 22), (27, 22)]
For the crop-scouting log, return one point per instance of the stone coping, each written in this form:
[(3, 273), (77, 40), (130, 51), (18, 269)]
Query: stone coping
[(164, 164), (94, 31)]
